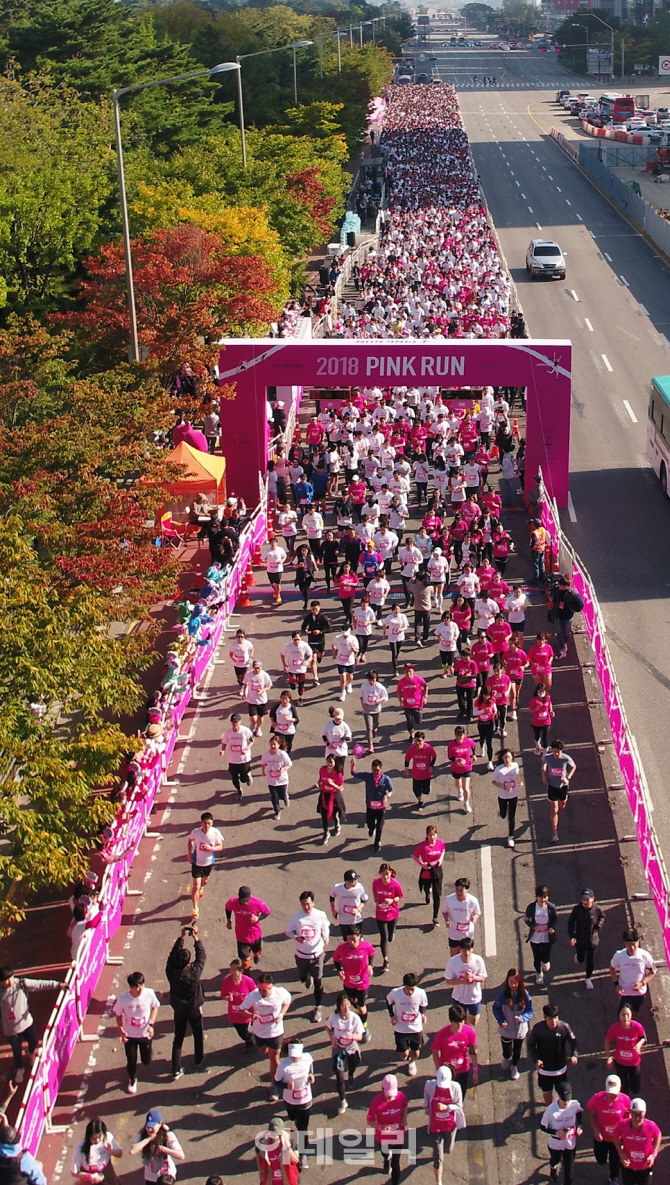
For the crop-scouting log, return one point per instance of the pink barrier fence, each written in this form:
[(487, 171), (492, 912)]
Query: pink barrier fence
[(632, 772), (65, 1024)]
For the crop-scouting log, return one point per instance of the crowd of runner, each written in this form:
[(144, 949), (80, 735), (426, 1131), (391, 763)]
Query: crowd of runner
[(437, 272), (395, 496)]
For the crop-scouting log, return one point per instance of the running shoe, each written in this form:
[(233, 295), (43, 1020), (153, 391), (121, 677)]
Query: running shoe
[(179, 1074), (344, 1106), (317, 1016), (130, 1089), (411, 1069), (510, 842)]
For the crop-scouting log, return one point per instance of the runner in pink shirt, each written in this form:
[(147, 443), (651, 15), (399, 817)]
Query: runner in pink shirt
[(249, 912), (456, 1046), (638, 1142), (352, 960), (499, 591), (541, 656), (421, 758), (430, 857), (541, 715), (234, 989), (628, 1038), (460, 752), (606, 1110), (515, 661), (387, 1113), (500, 683), (465, 669), (499, 634), (387, 893), (412, 691), (482, 652)]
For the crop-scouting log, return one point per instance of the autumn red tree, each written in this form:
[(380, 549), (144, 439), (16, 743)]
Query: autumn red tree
[(309, 191), (188, 291)]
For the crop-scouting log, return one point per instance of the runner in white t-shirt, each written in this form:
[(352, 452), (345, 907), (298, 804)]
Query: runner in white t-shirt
[(346, 1032), (275, 558), (396, 625), (256, 684), (203, 844), (407, 1007), (268, 1005), (236, 743), (346, 902), (135, 1012), (295, 1074), (275, 764), (373, 696), (461, 912), (345, 653), (465, 973), (241, 653)]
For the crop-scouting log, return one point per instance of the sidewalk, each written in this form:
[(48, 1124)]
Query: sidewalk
[(216, 1112)]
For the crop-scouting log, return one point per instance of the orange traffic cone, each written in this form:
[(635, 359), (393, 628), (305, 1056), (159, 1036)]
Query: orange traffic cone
[(515, 428), (249, 579), (244, 600), (257, 559)]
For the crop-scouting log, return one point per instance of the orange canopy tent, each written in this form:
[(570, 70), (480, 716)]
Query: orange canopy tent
[(204, 473)]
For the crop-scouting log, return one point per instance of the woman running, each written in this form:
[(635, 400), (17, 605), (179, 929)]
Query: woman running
[(275, 764), (346, 1032), (305, 567), (284, 719), (541, 656), (506, 781), (347, 583), (447, 634), (460, 752), (373, 696), (430, 857), (513, 1010), (387, 893), (542, 713), (364, 618), (331, 799), (485, 712)]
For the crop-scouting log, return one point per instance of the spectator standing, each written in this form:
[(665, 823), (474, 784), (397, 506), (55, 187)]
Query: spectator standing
[(136, 1011), (187, 997), (566, 602), (584, 926), (18, 1025)]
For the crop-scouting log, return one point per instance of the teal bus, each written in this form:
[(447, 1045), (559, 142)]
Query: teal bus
[(658, 429)]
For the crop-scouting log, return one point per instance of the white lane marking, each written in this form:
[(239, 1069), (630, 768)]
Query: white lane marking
[(531, 209), (511, 173), (580, 218), (630, 411), (665, 339), (607, 257), (567, 202), (559, 189), (645, 311), (523, 196), (544, 168), (550, 176), (592, 234), (574, 295), (538, 226), (607, 362), (588, 324), (571, 509), (624, 281), (517, 183), (488, 903)]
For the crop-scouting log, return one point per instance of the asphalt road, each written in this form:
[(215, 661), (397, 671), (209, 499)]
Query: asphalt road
[(614, 306)]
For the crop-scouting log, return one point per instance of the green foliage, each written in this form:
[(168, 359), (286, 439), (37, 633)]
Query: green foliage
[(54, 183), (478, 14)]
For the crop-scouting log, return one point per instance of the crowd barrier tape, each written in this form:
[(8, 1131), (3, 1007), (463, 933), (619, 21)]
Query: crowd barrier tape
[(625, 746), (65, 1025)]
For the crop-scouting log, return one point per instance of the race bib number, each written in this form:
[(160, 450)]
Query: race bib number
[(377, 805), (408, 1017), (463, 927)]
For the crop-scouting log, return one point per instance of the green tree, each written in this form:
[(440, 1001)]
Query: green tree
[(54, 184), (478, 14)]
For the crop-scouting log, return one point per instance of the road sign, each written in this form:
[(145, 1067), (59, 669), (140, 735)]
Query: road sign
[(664, 64)]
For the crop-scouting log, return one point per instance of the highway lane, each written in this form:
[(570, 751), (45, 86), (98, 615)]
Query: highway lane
[(614, 306)]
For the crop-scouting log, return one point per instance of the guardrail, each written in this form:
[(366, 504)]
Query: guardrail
[(625, 745), (65, 1026)]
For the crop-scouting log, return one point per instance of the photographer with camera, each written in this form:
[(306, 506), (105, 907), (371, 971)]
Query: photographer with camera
[(183, 973)]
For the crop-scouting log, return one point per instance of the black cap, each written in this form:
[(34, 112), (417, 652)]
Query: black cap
[(244, 893)]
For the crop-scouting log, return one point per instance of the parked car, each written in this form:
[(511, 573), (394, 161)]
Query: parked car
[(545, 258), (562, 94)]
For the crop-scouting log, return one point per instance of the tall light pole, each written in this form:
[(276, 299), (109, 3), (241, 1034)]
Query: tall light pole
[(222, 68), (602, 22), (295, 47), (258, 54), (339, 35)]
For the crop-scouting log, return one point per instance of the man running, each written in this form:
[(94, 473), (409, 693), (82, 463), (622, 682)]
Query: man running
[(249, 913), (310, 929), (268, 1005), (558, 770), (203, 844)]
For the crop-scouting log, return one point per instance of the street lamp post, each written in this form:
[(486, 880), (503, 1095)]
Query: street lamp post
[(602, 22), (295, 47), (259, 54), (222, 68)]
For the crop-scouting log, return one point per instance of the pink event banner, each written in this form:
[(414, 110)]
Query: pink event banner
[(65, 1024)]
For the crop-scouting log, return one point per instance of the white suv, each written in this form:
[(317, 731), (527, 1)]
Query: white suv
[(545, 258)]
